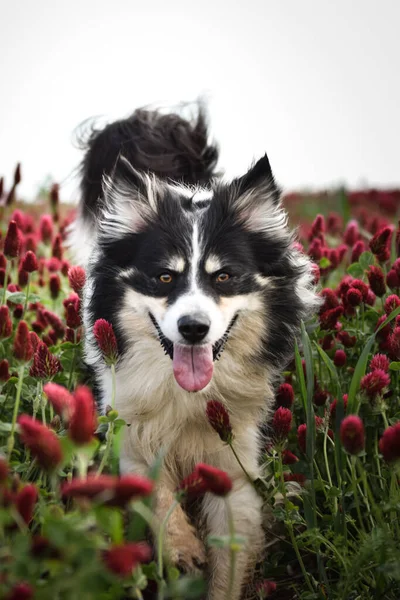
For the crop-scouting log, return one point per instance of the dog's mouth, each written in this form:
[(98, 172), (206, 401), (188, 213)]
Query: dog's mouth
[(193, 365)]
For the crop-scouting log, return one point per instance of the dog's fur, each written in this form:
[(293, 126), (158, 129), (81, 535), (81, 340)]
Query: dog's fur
[(151, 205)]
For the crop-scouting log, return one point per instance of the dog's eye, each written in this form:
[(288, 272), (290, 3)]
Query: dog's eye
[(165, 278), (222, 277)]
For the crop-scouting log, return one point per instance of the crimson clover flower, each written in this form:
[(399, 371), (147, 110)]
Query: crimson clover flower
[(389, 444), (41, 441), (105, 337), (218, 417), (352, 434)]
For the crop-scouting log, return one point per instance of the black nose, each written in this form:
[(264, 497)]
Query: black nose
[(194, 328)]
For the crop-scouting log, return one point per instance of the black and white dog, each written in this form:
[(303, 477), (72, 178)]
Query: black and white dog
[(206, 291)]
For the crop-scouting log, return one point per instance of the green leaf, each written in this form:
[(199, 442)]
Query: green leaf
[(361, 366), (366, 260), (356, 270), (16, 297), (394, 366), (324, 263), (173, 573), (300, 376)]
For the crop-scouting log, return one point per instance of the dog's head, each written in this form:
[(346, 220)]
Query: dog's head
[(191, 265)]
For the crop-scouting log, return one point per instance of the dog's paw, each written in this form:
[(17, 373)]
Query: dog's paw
[(186, 552)]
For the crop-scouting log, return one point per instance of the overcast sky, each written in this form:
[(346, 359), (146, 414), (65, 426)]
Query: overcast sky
[(315, 83)]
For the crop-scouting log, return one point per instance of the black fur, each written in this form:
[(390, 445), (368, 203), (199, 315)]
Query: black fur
[(165, 144)]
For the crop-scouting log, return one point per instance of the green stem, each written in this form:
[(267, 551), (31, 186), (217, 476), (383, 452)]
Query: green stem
[(113, 389), (72, 370), (232, 550), (10, 445), (289, 525), (240, 463), (27, 292), (355, 493), (82, 464), (107, 449), (6, 275), (160, 550)]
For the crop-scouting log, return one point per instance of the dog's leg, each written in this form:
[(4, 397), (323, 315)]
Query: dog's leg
[(245, 506), (184, 548)]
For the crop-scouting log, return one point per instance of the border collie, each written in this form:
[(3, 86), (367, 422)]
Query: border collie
[(206, 290)]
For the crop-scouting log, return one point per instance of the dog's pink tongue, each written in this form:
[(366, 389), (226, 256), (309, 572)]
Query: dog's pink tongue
[(193, 366)]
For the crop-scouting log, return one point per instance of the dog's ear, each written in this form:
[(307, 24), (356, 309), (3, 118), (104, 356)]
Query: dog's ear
[(255, 197), (131, 200)]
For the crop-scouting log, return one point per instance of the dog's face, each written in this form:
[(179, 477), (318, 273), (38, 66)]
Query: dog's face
[(189, 266)]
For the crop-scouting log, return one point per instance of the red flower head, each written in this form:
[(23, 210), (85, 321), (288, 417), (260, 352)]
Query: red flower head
[(334, 223), (358, 284), (73, 319), (376, 280), (5, 322), (316, 273), (55, 199), (41, 441), (121, 559), (22, 278), (348, 341), (358, 248), (380, 244), (383, 333), (288, 458), (317, 227), (218, 417), (113, 491), (320, 397), (76, 278), (193, 486), (29, 262), (3, 470), (330, 317), (301, 437), (299, 478), (12, 241), (285, 395), (333, 406), (371, 298), (351, 233), (25, 502), (393, 280), (46, 228), (4, 371), (22, 349), (53, 265), (315, 250), (282, 423), (394, 344), (55, 286), (83, 421), (374, 383), (45, 365), (105, 337), (330, 300), (57, 250), (35, 339), (217, 482), (391, 303), (340, 358), (352, 434), (379, 361), (61, 400), (265, 588), (389, 444), (21, 591)]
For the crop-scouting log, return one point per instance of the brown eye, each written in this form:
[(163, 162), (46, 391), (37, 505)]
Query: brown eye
[(165, 278), (222, 277)]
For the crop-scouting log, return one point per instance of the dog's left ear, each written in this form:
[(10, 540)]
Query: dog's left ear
[(256, 198)]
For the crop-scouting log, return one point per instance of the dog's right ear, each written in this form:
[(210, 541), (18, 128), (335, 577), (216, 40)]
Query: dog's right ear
[(131, 200)]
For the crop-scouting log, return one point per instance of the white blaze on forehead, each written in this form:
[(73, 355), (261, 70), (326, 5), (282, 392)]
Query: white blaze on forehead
[(213, 264), (176, 263), (195, 261), (194, 193)]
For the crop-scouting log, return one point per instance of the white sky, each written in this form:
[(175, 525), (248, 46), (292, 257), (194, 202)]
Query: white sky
[(315, 83)]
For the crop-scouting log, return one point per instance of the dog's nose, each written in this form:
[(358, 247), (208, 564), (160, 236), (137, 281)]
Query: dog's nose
[(194, 328)]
